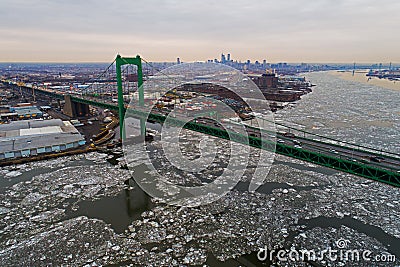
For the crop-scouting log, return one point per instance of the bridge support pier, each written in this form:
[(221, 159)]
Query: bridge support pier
[(73, 109)]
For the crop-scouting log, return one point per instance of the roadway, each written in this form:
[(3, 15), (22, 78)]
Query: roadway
[(346, 153), (378, 160)]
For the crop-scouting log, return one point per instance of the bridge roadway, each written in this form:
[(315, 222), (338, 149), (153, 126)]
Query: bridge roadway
[(348, 159), (373, 158)]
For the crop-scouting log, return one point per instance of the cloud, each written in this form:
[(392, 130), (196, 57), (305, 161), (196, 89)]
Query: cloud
[(287, 30)]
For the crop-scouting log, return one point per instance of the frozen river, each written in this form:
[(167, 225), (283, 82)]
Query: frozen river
[(80, 211)]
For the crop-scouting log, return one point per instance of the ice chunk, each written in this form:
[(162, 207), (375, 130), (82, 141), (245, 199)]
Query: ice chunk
[(13, 174)]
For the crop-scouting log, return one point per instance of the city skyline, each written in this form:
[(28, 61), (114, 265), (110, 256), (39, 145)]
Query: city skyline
[(288, 31)]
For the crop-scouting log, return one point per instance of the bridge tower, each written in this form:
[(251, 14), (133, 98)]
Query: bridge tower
[(119, 62)]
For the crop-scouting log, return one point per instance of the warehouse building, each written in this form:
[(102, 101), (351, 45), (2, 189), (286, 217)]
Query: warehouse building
[(34, 137), (27, 112)]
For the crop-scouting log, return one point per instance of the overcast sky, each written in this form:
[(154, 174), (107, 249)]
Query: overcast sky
[(285, 30)]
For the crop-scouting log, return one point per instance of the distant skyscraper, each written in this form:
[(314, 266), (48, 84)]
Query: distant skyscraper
[(223, 59), (178, 61), (229, 57)]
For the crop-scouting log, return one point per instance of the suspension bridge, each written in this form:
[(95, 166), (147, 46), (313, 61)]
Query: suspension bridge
[(125, 76)]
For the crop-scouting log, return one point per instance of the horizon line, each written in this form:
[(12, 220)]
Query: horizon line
[(205, 61)]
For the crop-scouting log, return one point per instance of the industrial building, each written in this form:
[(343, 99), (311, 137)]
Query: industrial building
[(27, 112), (34, 137), (265, 81), (20, 112)]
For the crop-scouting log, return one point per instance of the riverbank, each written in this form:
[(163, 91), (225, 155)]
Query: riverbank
[(360, 76), (47, 156)]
